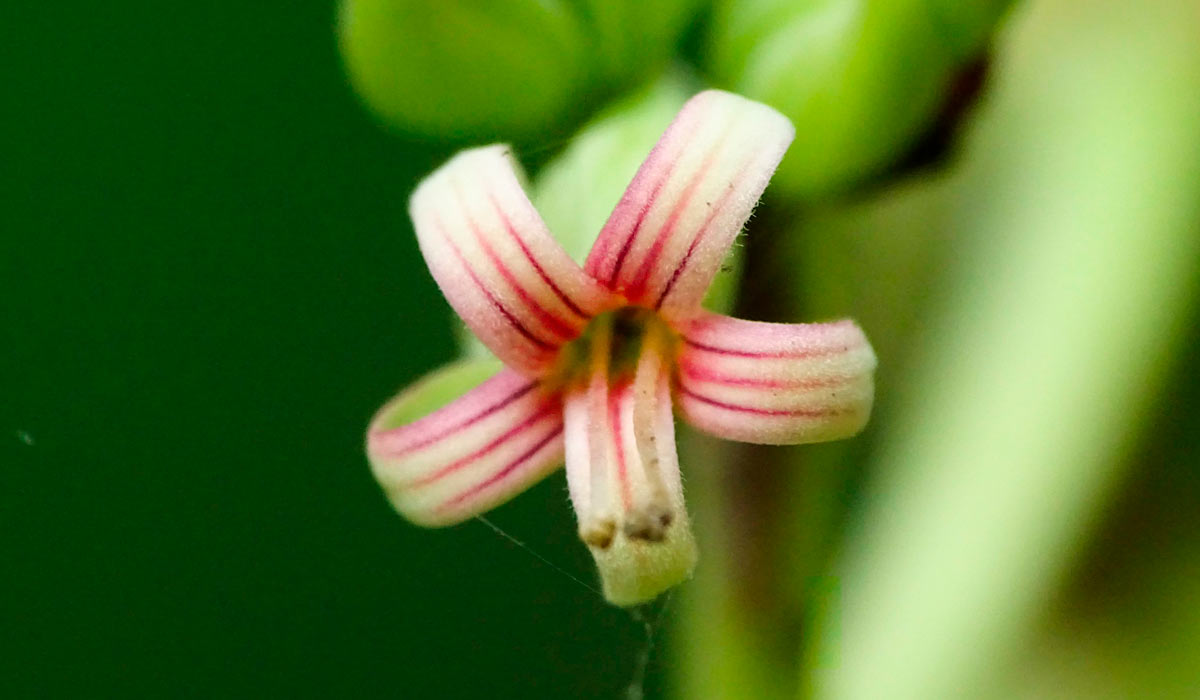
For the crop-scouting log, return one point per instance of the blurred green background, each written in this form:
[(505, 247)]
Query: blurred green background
[(208, 283)]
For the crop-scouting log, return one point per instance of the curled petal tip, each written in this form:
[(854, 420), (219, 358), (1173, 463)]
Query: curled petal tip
[(442, 464), (670, 232), (497, 263), (775, 383)]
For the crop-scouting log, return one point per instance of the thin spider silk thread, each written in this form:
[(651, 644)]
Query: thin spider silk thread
[(497, 529), (636, 690)]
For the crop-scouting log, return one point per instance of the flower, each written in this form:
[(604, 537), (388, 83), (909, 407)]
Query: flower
[(597, 358)]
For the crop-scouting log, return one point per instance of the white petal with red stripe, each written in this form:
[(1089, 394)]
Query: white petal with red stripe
[(669, 234), (470, 455), (623, 474), (497, 263), (775, 383)]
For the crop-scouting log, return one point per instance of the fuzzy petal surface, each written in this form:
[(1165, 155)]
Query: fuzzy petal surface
[(670, 232), (468, 456), (497, 263), (775, 383)]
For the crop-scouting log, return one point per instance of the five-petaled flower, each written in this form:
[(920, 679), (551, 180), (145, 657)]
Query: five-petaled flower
[(597, 358)]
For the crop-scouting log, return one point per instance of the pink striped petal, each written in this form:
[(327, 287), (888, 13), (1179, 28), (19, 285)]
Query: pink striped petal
[(623, 475), (469, 456), (496, 262), (671, 230), (775, 383)]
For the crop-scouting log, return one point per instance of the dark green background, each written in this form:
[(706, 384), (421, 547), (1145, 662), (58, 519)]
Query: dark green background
[(208, 285)]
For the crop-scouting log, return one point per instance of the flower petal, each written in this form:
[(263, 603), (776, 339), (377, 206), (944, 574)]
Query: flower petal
[(497, 263), (775, 383), (468, 456), (669, 234), (623, 475)]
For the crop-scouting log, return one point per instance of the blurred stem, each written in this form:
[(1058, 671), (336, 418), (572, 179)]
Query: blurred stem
[(1129, 624), (728, 646), (1079, 199), (740, 627)]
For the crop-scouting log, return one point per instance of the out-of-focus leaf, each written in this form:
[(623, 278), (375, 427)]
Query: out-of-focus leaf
[(634, 37), (1078, 206), (728, 641), (966, 24), (1150, 653), (861, 79), (456, 69), (1130, 624)]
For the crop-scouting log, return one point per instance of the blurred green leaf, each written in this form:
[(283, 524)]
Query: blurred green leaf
[(966, 25), (860, 79), (634, 37), (727, 645), (1129, 626), (1077, 200), (458, 69)]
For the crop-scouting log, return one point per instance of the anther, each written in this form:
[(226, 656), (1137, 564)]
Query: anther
[(648, 524), (598, 533)]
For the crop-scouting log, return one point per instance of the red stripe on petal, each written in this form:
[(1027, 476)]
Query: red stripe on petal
[(550, 409), (508, 316), (791, 355), (512, 231), (700, 235), (614, 418), (637, 227), (552, 323), (638, 285), (705, 374), (437, 435), (500, 474), (814, 413), (658, 167)]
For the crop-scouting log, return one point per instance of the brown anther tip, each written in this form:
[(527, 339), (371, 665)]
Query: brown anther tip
[(598, 534), (644, 526), (661, 513)]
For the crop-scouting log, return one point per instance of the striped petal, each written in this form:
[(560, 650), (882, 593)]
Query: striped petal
[(775, 383), (623, 472), (496, 262), (468, 456), (669, 234)]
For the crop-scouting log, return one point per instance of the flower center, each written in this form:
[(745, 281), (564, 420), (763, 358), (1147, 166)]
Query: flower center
[(618, 337), (621, 464)]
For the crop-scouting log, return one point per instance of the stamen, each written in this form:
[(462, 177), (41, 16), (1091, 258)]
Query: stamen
[(622, 470), (601, 509), (652, 376), (619, 401), (598, 532)]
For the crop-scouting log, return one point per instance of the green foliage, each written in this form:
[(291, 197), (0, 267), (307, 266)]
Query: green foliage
[(861, 79), (1018, 520), (465, 68), (511, 71), (1071, 215), (634, 38)]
